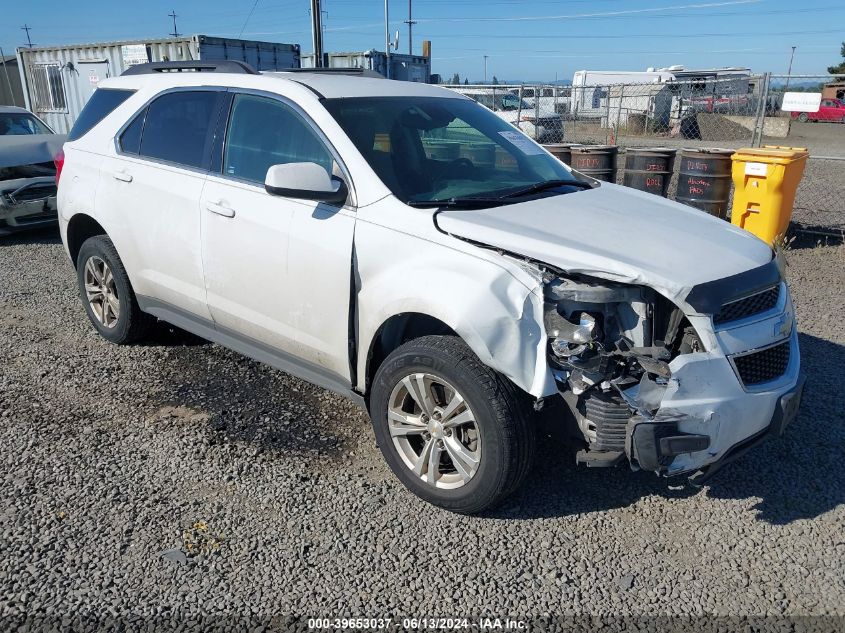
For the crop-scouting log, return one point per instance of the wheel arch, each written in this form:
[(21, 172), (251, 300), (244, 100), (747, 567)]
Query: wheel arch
[(81, 227), (505, 332), (396, 330)]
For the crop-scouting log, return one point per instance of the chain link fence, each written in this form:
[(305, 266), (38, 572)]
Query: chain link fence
[(730, 112)]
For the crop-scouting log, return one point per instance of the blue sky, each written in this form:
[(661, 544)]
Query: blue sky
[(524, 39)]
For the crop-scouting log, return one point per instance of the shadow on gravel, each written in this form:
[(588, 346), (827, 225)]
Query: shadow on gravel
[(251, 404), (800, 475), (41, 236), (797, 476), (165, 335), (803, 236)]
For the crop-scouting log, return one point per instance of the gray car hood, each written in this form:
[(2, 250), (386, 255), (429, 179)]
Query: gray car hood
[(616, 233), (29, 149)]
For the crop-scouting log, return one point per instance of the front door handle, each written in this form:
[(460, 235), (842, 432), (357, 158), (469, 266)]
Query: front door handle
[(122, 175), (220, 209)]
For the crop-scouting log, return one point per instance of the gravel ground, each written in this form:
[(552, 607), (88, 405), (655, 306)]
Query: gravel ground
[(118, 460)]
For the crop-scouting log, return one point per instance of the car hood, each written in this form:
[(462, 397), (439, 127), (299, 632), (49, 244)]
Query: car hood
[(615, 233), (29, 149)]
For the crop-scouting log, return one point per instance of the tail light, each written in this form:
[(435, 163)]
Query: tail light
[(59, 162)]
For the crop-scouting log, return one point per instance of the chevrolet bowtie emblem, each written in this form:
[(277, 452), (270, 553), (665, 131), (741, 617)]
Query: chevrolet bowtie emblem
[(783, 326)]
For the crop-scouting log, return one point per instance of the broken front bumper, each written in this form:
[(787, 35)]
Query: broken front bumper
[(707, 418), (27, 204)]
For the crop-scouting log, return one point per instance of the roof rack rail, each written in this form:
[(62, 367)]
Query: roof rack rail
[(211, 66), (355, 72)]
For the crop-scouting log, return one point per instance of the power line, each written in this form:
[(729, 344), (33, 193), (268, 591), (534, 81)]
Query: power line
[(535, 18), (249, 15)]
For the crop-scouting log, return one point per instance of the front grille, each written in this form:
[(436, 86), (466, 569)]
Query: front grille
[(33, 192), (748, 306), (767, 364)]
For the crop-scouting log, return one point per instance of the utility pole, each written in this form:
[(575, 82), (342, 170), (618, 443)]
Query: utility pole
[(387, 36), (173, 15), (485, 68), (317, 32), (789, 72), (27, 28), (410, 22)]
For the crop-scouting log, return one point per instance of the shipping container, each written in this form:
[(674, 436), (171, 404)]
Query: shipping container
[(59, 80), (403, 67)]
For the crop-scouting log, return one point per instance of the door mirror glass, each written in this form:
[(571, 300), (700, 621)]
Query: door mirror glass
[(308, 181)]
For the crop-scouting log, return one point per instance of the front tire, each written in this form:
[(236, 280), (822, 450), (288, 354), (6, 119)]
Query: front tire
[(107, 295), (456, 433), (803, 117)]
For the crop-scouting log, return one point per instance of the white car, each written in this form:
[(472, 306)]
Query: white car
[(299, 219), (543, 125)]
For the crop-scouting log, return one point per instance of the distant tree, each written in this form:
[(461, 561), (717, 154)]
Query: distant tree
[(840, 68), (456, 79), (466, 82), (495, 80)]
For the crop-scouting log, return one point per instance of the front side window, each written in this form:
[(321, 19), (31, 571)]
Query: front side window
[(178, 127), (430, 149), (264, 132), (21, 123)]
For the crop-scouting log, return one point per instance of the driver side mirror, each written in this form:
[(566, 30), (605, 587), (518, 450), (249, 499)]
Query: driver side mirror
[(307, 181)]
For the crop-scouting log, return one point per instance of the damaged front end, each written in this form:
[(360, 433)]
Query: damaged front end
[(610, 346)]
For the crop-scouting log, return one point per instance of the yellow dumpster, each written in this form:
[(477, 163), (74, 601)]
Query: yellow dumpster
[(765, 181)]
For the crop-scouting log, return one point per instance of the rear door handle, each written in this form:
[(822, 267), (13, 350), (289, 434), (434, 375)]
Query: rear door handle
[(220, 209), (122, 175)]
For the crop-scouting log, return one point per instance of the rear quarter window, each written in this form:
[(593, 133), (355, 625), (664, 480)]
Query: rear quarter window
[(100, 105)]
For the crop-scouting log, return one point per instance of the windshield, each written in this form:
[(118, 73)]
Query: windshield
[(19, 123), (433, 149)]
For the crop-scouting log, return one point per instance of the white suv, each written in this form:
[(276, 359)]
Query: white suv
[(315, 222)]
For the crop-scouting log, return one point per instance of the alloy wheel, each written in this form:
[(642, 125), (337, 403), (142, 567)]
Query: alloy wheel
[(101, 291), (434, 430)]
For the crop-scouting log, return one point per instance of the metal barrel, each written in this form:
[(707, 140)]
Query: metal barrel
[(649, 169), (597, 161), (704, 180), (562, 151), (479, 154)]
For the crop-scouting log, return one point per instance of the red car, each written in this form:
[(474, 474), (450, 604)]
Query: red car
[(830, 110)]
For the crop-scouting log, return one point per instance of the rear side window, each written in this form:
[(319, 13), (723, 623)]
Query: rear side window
[(101, 103), (178, 127)]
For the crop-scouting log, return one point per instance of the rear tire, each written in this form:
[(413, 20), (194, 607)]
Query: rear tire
[(476, 425), (107, 295)]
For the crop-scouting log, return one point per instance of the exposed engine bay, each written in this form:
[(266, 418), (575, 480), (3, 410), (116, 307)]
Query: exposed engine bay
[(609, 348)]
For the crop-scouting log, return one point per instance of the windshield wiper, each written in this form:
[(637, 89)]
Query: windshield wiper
[(547, 184), (459, 202)]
